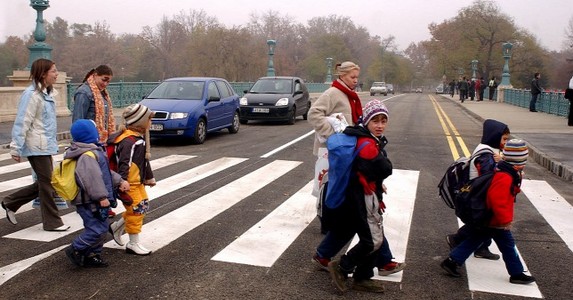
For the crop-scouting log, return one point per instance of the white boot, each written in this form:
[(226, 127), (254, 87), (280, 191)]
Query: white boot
[(134, 247), (117, 229)]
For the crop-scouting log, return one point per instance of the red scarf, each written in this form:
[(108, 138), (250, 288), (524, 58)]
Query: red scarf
[(355, 105)]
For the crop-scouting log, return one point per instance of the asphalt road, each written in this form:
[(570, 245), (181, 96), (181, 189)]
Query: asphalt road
[(208, 211)]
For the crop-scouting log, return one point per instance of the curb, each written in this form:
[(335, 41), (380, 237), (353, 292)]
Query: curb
[(538, 156)]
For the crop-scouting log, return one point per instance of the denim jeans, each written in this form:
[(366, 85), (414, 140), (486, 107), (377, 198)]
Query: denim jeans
[(533, 101), (95, 230), (502, 238)]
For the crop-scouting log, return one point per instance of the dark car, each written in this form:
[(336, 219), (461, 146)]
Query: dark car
[(193, 106), (390, 88), (278, 98)]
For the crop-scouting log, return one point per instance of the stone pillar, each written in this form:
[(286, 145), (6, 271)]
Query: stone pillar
[(22, 79)]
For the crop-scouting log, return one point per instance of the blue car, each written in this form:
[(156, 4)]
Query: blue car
[(190, 107)]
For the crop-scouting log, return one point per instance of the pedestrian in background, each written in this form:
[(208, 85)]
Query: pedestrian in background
[(481, 88), (492, 86), (452, 88), (463, 86), (535, 91), (92, 101), (569, 95), (500, 199), (133, 154), (472, 89), (34, 138), (477, 89)]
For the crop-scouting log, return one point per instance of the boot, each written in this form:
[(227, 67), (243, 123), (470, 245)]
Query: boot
[(117, 229), (134, 247)]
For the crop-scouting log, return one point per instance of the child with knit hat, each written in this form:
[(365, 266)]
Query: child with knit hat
[(501, 196), (131, 143), (361, 211), (96, 183)]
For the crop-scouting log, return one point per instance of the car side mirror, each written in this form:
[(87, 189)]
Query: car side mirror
[(245, 91), (298, 92), (214, 98)]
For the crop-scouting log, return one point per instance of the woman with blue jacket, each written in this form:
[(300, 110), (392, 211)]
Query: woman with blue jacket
[(34, 138)]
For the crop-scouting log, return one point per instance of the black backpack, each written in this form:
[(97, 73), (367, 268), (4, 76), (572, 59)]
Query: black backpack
[(456, 176), (471, 201)]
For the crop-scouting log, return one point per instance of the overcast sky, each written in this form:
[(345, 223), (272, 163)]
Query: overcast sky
[(407, 20)]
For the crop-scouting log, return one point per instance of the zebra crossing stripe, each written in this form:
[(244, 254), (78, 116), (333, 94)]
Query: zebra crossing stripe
[(5, 156), (156, 165), (401, 196), (266, 241), (162, 231), (552, 206), (24, 165), (14, 269)]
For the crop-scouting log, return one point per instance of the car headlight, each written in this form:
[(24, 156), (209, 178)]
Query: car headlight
[(282, 102), (178, 115), (244, 101)]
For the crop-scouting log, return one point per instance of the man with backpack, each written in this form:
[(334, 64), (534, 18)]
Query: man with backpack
[(495, 135), (500, 199)]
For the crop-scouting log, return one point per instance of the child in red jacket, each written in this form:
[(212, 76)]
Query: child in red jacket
[(501, 197)]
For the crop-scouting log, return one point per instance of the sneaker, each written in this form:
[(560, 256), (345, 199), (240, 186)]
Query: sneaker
[(339, 278), (368, 285), (10, 215), (322, 263), (61, 228), (391, 268), (451, 267), (450, 239), (521, 279), (75, 256), (94, 261), (486, 254)]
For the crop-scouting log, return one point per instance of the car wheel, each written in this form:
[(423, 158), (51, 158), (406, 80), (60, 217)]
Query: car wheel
[(234, 128), (243, 121), (200, 132), (292, 116), (305, 116)]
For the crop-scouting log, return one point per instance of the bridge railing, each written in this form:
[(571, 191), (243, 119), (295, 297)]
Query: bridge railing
[(125, 93), (551, 102)]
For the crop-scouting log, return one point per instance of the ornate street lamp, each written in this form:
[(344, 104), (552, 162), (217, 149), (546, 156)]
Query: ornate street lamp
[(506, 48), (328, 72), (460, 73), (474, 68), (271, 68), (39, 49)]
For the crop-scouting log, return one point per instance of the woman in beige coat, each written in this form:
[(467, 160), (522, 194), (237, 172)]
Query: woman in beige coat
[(339, 98)]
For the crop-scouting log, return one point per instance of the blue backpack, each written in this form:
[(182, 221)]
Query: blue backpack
[(341, 153)]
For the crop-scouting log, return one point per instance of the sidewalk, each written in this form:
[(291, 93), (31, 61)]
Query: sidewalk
[(550, 139)]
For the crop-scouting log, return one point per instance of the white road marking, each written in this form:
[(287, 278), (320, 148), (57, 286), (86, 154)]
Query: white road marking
[(266, 241), (552, 206), (156, 164), (24, 165), (402, 187), (286, 145), (160, 232), (14, 269)]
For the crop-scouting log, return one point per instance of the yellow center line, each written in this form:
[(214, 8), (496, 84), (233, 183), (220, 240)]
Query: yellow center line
[(441, 116)]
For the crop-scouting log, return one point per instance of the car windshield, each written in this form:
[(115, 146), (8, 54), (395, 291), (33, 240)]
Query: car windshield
[(180, 90), (272, 86), (377, 84)]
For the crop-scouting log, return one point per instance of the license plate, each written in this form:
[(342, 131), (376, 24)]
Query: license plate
[(260, 110), (156, 127)]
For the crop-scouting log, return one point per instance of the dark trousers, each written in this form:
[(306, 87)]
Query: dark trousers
[(95, 230), (491, 92), (504, 241), (533, 102), (333, 243), (570, 122), (464, 233), (42, 188)]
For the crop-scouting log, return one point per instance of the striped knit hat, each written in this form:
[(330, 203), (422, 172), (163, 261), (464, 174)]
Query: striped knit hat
[(515, 152), (137, 115), (373, 108)]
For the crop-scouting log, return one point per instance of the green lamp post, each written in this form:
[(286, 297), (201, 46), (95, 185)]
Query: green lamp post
[(474, 68), (506, 47), (271, 68), (39, 49), (328, 72)]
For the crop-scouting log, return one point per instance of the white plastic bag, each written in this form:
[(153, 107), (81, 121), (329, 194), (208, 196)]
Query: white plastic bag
[(320, 168)]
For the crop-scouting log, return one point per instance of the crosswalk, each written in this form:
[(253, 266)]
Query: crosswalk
[(264, 243)]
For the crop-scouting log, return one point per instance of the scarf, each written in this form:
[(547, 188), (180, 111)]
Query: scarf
[(100, 111), (355, 105)]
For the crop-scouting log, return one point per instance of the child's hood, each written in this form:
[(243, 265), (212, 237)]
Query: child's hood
[(492, 133), (76, 149)]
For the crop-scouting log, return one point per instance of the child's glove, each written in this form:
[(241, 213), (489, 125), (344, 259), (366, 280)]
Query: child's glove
[(150, 182), (101, 213)]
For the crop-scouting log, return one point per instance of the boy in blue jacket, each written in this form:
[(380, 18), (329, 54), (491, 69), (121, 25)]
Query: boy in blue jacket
[(96, 182)]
